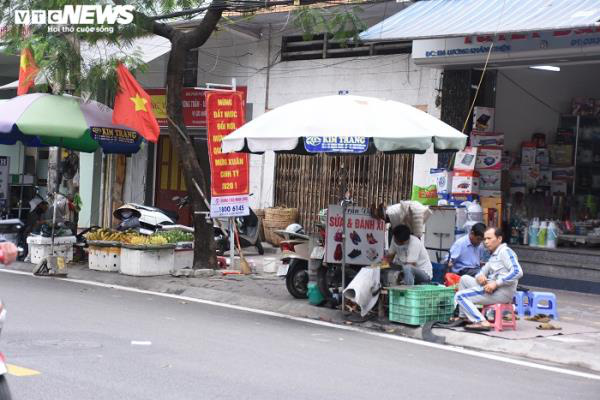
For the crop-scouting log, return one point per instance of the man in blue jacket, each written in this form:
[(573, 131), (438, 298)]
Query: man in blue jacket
[(467, 253), (496, 283)]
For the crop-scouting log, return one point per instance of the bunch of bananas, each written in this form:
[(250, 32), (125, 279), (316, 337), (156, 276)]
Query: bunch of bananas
[(105, 235), (134, 238)]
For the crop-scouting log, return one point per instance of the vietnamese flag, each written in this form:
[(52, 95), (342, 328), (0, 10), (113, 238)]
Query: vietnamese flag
[(133, 107), (28, 70)]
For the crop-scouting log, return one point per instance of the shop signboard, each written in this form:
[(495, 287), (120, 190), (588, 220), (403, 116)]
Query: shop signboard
[(365, 236), (229, 206), (336, 144), (508, 47), (193, 103), (114, 140), (229, 172)]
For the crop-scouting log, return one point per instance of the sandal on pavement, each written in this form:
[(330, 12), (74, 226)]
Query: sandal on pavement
[(548, 327), (543, 318), (478, 327)]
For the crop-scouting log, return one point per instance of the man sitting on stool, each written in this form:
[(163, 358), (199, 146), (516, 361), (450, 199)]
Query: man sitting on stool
[(409, 252), (496, 283), (467, 252)]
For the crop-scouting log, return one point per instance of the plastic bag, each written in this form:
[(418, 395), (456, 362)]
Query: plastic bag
[(364, 289)]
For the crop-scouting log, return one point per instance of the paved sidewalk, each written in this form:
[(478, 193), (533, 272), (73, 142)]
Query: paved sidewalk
[(268, 292)]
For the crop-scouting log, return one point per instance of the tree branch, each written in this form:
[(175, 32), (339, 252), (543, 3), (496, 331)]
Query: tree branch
[(200, 34)]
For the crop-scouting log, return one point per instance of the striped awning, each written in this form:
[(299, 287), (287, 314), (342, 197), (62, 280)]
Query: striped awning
[(447, 18)]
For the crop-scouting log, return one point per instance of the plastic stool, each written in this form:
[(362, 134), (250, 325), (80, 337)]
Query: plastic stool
[(522, 307), (535, 298), (499, 322)]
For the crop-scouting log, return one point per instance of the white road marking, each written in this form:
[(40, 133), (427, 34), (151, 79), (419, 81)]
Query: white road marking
[(141, 343), (454, 349)]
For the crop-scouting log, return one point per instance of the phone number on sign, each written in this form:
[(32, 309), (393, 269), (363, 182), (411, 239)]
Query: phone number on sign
[(231, 209)]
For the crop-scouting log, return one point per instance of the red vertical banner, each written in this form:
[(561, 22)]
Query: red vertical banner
[(229, 172)]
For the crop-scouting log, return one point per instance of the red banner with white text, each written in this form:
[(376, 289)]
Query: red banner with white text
[(229, 172)]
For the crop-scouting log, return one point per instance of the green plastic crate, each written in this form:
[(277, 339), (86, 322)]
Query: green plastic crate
[(419, 304)]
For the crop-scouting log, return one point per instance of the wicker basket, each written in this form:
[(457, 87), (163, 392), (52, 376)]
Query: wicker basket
[(271, 226), (289, 215)]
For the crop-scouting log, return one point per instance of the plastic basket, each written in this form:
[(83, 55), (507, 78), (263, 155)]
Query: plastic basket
[(419, 304)]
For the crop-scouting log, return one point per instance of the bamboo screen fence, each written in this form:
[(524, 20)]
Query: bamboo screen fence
[(311, 183)]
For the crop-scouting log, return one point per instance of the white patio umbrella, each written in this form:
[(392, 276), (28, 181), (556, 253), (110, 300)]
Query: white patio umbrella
[(392, 127)]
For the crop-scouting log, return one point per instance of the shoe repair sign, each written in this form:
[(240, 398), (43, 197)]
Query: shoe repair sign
[(365, 236)]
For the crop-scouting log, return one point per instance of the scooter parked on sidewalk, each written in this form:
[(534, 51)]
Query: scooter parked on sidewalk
[(145, 219), (248, 228), (294, 260)]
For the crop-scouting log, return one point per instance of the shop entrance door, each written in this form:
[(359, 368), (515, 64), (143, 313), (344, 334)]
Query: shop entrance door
[(170, 181)]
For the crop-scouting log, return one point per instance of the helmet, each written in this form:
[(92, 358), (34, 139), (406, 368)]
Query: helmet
[(323, 216), (294, 228)]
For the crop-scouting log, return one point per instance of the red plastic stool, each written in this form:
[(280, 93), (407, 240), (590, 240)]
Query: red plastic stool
[(499, 322)]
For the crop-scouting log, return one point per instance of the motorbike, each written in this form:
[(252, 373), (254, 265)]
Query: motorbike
[(145, 219), (11, 230), (248, 228), (294, 260)]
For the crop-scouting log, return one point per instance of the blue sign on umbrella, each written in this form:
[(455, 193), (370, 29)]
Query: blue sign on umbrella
[(336, 144), (115, 140)]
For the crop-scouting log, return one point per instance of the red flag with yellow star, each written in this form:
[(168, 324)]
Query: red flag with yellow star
[(133, 107), (28, 70)]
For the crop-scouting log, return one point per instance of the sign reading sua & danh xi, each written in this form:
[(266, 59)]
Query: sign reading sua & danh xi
[(229, 172)]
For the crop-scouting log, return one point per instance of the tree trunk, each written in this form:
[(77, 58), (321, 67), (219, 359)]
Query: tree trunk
[(204, 244)]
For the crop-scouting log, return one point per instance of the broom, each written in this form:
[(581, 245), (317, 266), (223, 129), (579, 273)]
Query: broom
[(244, 266)]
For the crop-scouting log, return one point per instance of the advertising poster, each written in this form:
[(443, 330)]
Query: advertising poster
[(193, 102), (365, 236), (229, 173)]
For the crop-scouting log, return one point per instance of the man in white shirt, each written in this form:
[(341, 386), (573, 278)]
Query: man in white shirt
[(409, 252), (496, 283)]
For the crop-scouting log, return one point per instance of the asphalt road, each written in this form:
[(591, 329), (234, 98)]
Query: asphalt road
[(97, 343)]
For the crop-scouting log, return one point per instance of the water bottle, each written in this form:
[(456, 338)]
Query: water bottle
[(542, 234), (552, 235), (534, 228)]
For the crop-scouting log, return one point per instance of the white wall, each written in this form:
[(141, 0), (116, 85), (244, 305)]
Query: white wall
[(229, 55), (519, 114)]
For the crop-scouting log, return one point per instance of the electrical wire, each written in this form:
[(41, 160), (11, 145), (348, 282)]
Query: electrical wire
[(487, 59)]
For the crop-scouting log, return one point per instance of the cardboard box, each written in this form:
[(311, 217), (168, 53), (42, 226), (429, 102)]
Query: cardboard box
[(531, 175), (490, 179), (563, 173), (492, 218), (528, 153), (558, 187), (487, 139), (561, 154), (582, 106), (545, 176), (490, 193), (443, 181), (465, 159), (516, 176), (488, 158), (483, 119), (542, 156), (465, 182)]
